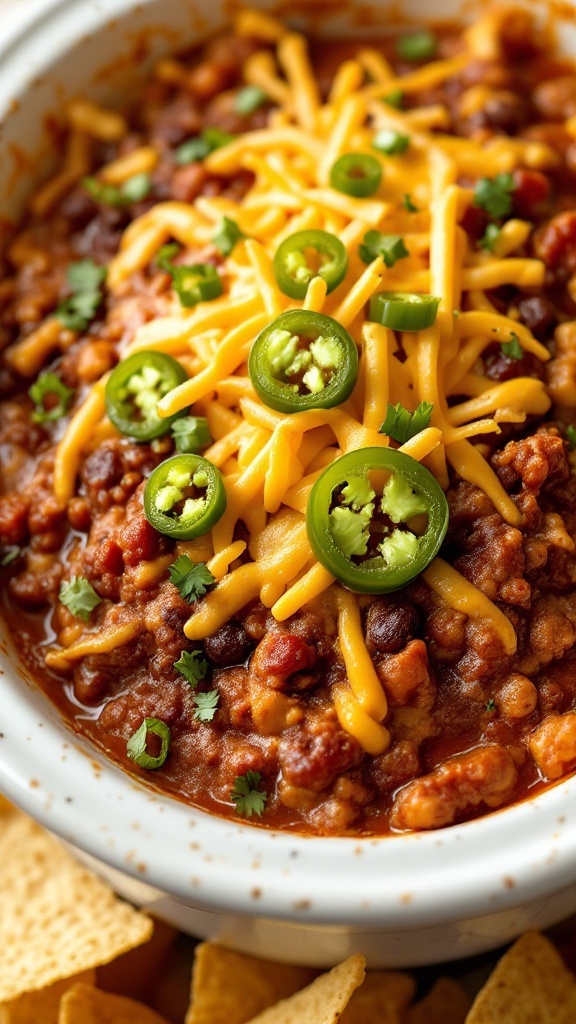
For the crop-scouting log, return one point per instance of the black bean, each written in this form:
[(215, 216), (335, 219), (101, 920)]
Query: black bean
[(230, 645), (390, 624)]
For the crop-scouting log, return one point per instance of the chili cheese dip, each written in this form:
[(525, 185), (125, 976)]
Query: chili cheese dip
[(287, 503)]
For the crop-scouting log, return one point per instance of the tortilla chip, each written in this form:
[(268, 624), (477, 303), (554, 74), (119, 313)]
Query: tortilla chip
[(230, 988), (323, 1001), (446, 1003), (85, 1005), (5, 807), (382, 997), (530, 985), (138, 972), (41, 1007), (57, 918)]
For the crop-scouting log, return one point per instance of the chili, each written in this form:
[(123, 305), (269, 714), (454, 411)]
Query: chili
[(184, 497), (404, 311), (371, 543), (356, 174), (303, 360), (298, 255)]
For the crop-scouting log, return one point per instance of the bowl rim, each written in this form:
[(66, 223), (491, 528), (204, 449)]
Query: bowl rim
[(491, 864)]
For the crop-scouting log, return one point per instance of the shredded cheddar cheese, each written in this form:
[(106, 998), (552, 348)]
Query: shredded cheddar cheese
[(269, 461)]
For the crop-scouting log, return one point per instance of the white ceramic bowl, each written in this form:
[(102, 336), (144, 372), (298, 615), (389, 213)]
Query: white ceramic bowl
[(404, 900)]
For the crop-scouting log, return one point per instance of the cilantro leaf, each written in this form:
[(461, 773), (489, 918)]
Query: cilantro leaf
[(491, 704), (408, 204), (85, 279), (248, 798), (79, 597), (192, 665), (571, 435), (130, 191), (191, 580), (417, 46), (11, 554), (249, 99), (191, 434), (85, 276), (165, 255), (49, 384), (391, 247), (200, 146), (227, 236), (206, 705), (394, 99), (494, 195), (490, 238), (513, 349), (401, 425)]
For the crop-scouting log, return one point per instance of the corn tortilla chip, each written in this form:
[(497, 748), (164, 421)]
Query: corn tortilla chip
[(446, 1003), (530, 985), (41, 1007), (230, 988), (323, 1001), (382, 997), (57, 918), (85, 1005)]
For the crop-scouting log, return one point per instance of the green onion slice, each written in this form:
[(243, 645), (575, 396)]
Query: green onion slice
[(136, 746), (356, 174)]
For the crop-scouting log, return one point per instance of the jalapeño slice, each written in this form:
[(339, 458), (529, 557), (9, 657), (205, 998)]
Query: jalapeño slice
[(308, 254), (134, 389), (375, 519), (184, 497), (303, 360)]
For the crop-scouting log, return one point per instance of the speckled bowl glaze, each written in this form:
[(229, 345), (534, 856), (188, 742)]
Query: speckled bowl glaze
[(404, 900)]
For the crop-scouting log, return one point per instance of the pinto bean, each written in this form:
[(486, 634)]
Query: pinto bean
[(484, 776), (555, 99), (553, 745)]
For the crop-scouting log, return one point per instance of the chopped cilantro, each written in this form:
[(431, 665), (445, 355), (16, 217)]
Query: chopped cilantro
[(571, 435), (79, 597), (494, 195), (10, 555), (206, 705), (227, 236), (401, 425), (512, 349), (191, 580), (394, 99), (49, 384), (390, 142), (391, 247), (408, 204), (130, 191), (490, 238), (85, 276), (249, 99), (191, 434), (248, 798), (415, 46), (491, 704), (85, 279), (200, 146), (192, 665), (165, 255)]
